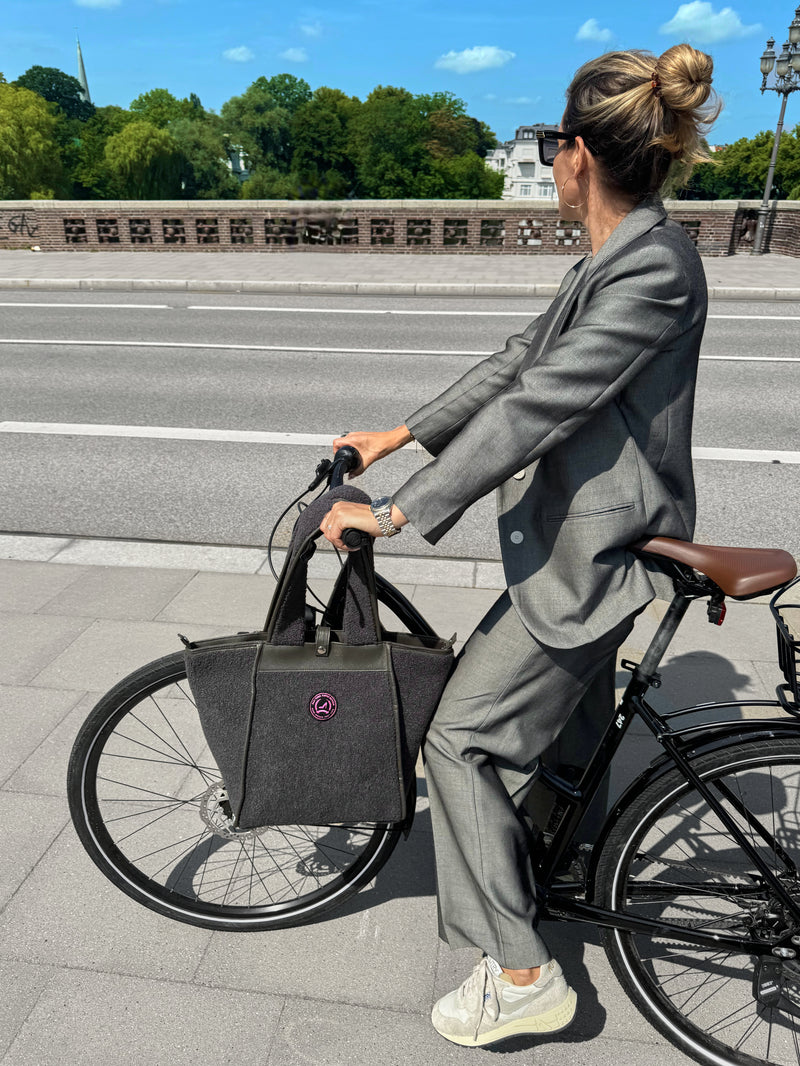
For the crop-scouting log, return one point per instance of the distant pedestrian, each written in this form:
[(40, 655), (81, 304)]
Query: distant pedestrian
[(583, 425)]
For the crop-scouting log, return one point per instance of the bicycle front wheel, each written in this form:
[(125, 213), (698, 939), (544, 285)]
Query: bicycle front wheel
[(150, 807), (670, 857)]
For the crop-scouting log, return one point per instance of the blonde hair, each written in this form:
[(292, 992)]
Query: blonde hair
[(640, 114)]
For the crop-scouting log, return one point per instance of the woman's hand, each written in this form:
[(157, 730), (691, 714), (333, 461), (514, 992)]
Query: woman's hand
[(372, 446), (345, 515)]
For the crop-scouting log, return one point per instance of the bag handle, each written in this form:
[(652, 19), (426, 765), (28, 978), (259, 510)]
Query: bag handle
[(353, 603)]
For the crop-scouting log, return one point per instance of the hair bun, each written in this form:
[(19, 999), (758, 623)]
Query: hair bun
[(684, 76)]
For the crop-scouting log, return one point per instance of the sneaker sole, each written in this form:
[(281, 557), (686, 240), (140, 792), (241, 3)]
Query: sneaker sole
[(551, 1021)]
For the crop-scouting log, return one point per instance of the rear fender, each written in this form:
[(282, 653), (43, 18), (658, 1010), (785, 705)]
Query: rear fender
[(715, 737)]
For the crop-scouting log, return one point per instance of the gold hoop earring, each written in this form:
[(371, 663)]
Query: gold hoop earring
[(573, 207)]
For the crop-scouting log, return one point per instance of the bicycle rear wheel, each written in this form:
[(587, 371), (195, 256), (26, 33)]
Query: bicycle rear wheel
[(150, 807), (670, 857)]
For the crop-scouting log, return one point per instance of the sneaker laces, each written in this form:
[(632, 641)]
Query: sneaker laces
[(476, 986)]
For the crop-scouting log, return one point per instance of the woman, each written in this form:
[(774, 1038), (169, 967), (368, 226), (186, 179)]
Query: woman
[(583, 425)]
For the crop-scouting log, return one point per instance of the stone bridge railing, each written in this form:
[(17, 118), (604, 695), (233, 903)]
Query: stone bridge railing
[(719, 227)]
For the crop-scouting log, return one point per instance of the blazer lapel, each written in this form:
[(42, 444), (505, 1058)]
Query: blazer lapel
[(636, 223)]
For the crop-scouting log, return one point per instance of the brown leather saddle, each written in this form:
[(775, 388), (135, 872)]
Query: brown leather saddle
[(739, 572)]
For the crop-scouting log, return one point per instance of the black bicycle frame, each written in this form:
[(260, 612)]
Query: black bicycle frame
[(560, 897)]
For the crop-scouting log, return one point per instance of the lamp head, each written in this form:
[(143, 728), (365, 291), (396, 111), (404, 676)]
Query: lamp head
[(782, 65)]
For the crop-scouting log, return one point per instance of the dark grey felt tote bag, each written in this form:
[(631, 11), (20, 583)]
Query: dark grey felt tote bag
[(320, 725)]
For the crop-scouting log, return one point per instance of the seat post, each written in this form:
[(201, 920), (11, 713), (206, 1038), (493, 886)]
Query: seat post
[(663, 635)]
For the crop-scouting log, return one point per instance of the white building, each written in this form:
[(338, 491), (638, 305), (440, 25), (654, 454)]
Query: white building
[(526, 178)]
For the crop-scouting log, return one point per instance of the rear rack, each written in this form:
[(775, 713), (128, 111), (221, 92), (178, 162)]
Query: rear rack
[(787, 621)]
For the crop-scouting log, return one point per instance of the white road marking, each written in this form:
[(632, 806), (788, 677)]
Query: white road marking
[(228, 436), (345, 310), (752, 358), (314, 440), (746, 455), (240, 347), (363, 311), (99, 307), (332, 351), (432, 314)]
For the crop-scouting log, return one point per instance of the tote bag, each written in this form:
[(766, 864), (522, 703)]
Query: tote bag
[(314, 723)]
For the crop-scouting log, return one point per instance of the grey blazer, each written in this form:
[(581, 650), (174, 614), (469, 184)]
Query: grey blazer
[(583, 425)]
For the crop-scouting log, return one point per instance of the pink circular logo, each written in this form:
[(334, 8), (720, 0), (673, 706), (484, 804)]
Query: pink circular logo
[(323, 706)]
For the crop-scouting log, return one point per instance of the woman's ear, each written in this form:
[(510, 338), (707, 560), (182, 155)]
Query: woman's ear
[(580, 157)]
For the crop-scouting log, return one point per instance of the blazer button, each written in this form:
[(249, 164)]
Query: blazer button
[(517, 537), (520, 474)]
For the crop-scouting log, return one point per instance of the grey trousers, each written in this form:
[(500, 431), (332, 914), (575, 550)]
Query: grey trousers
[(507, 700)]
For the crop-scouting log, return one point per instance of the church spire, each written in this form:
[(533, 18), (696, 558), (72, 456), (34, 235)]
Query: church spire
[(82, 76)]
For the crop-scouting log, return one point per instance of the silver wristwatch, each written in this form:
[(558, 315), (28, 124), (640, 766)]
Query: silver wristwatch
[(382, 510)]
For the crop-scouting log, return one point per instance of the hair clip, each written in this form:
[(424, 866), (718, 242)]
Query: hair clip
[(655, 83)]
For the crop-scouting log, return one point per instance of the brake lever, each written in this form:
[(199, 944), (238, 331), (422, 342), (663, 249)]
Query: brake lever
[(322, 471)]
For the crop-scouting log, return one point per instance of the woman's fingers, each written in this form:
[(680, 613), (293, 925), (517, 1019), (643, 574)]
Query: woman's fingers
[(344, 515)]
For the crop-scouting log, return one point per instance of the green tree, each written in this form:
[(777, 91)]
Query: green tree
[(205, 173), (461, 177), (29, 159), (286, 90), (256, 121), (91, 176), (159, 107), (57, 87), (320, 131), (387, 144), (145, 162), (268, 183), (739, 171)]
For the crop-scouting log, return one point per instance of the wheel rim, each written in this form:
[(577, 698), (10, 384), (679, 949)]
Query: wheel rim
[(153, 804), (721, 1006)]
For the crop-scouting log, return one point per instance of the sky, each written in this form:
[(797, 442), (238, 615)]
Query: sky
[(510, 64)]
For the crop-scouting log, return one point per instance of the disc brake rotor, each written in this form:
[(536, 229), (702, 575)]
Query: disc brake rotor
[(215, 810)]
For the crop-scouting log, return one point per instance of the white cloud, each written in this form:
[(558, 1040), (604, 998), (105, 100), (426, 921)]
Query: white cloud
[(482, 57), (98, 3), (699, 22), (490, 96), (311, 29), (591, 31), (242, 54), (295, 55), (523, 100)]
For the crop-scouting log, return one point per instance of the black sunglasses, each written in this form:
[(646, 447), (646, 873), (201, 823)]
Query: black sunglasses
[(549, 146)]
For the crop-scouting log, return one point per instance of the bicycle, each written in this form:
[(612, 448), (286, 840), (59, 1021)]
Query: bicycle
[(693, 879)]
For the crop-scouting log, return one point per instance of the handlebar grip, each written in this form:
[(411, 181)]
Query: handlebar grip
[(355, 538), (345, 459)]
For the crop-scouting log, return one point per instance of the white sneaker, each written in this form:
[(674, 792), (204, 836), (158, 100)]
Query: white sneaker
[(489, 1006)]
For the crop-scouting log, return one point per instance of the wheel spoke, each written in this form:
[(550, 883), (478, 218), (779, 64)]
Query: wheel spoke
[(158, 822), (676, 861)]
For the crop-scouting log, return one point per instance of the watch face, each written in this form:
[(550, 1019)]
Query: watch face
[(382, 501)]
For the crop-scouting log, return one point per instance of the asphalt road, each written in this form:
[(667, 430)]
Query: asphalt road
[(319, 365)]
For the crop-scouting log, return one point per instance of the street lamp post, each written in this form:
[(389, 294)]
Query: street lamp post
[(786, 80)]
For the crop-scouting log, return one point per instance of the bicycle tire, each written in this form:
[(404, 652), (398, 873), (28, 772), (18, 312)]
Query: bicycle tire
[(148, 804), (668, 856)]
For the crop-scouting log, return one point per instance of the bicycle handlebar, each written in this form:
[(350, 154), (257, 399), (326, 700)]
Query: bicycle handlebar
[(346, 459)]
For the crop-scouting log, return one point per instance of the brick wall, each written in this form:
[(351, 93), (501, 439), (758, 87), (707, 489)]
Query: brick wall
[(376, 226)]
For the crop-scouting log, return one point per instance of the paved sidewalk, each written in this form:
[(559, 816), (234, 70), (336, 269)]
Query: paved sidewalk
[(729, 277), (90, 978)]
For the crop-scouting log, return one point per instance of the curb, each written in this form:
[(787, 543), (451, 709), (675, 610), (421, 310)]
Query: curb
[(349, 288), (485, 574)]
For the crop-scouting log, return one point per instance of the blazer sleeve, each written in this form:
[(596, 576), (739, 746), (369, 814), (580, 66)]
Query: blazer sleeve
[(623, 322), (435, 424)]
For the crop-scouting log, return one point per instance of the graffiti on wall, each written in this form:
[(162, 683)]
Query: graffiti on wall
[(21, 224)]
